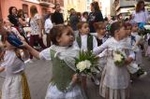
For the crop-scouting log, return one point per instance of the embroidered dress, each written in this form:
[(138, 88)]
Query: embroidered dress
[(63, 70), (115, 80), (15, 85)]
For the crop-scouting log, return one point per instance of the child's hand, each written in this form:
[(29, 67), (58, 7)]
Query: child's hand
[(128, 60), (74, 78)]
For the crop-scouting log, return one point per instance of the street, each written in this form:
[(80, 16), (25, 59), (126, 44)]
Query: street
[(39, 74)]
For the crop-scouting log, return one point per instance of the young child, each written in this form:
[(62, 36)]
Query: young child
[(136, 42), (86, 42), (115, 79), (64, 83), (15, 85)]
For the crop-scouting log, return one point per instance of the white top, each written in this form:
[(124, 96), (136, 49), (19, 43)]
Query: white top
[(142, 16), (34, 24), (60, 51), (48, 25), (12, 64), (84, 42), (115, 77)]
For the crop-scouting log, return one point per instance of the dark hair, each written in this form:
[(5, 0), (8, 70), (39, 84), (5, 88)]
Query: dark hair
[(33, 10), (115, 26), (127, 24), (85, 13), (20, 13), (10, 9), (80, 24), (95, 6), (57, 31), (98, 25), (138, 6)]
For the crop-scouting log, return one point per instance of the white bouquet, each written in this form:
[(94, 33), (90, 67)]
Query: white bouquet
[(86, 62), (119, 58)]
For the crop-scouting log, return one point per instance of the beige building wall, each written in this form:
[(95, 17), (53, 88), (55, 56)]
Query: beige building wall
[(78, 5)]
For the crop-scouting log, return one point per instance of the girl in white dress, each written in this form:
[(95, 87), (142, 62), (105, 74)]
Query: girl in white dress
[(115, 79), (15, 85), (64, 83)]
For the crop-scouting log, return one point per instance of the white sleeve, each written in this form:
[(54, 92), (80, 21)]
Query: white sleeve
[(99, 49), (131, 54), (45, 54), (48, 25), (8, 59)]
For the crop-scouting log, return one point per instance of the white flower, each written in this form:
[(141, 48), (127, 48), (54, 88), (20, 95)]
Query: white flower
[(147, 27), (81, 66), (118, 57)]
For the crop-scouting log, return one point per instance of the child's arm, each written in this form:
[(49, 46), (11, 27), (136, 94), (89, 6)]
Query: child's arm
[(2, 69), (34, 52), (130, 58), (99, 49)]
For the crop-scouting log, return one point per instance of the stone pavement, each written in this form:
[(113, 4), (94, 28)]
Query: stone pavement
[(39, 74)]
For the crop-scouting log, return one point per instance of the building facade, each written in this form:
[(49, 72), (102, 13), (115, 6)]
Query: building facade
[(43, 6)]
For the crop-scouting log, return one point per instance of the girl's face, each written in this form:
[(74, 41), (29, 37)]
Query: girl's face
[(66, 39), (84, 29), (14, 11), (128, 30), (122, 33), (102, 30), (135, 28)]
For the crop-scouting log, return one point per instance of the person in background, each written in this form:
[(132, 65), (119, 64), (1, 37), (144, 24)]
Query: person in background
[(94, 16), (48, 26), (140, 15), (12, 17), (57, 17), (74, 20), (36, 26), (84, 17)]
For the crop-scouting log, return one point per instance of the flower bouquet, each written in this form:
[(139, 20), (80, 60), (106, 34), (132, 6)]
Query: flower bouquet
[(119, 58), (86, 63)]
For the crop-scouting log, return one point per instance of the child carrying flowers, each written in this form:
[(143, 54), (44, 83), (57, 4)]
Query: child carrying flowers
[(115, 78)]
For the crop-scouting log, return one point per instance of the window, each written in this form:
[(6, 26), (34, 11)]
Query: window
[(25, 8)]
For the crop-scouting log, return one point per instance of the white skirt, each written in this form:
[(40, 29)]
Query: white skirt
[(54, 93), (15, 87)]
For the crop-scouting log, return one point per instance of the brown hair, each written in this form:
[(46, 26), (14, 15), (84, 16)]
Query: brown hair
[(57, 31), (98, 25), (80, 24), (95, 6), (116, 26), (138, 6), (33, 10), (20, 13)]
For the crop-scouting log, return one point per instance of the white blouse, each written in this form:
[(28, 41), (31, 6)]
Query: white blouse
[(142, 16), (12, 63)]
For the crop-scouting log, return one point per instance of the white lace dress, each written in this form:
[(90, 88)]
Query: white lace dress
[(115, 80)]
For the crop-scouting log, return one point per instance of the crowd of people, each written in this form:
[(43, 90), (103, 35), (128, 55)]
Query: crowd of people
[(65, 39)]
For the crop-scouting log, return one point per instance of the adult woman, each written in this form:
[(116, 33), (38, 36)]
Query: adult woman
[(140, 15), (36, 26), (94, 16), (13, 16)]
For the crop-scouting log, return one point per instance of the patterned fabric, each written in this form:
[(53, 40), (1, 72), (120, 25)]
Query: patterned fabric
[(34, 25)]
